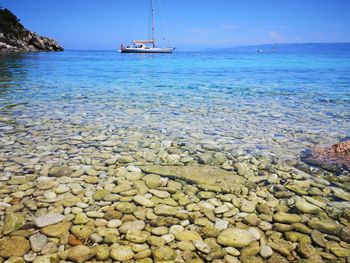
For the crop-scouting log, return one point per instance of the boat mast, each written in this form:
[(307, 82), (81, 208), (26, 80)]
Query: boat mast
[(153, 35)]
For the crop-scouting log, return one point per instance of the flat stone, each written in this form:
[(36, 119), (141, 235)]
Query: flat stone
[(56, 230), (15, 246), (163, 254), (136, 236), (132, 225), (221, 209), (60, 171), (235, 237), (100, 194), (306, 207), (187, 236), (94, 214), (160, 194), (121, 253), (70, 200), (221, 224), (126, 208), (81, 232), (49, 219), (340, 193), (165, 210), (265, 251), (102, 252), (13, 222), (80, 218), (327, 226), (306, 250), (168, 238), (114, 223), (247, 206), (143, 201), (53, 258), (286, 218), (155, 241), (282, 247), (38, 242), (345, 234), (318, 238), (61, 189), (201, 246), (159, 231), (152, 180), (126, 159), (81, 253), (340, 252), (200, 174)]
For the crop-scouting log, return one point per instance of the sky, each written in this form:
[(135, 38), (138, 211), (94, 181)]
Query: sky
[(185, 24)]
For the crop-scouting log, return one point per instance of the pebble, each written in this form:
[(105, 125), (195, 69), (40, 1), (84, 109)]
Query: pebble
[(49, 219), (247, 206), (38, 242), (265, 251), (132, 225), (81, 253), (121, 253), (188, 236), (236, 238), (143, 201), (306, 207), (201, 246)]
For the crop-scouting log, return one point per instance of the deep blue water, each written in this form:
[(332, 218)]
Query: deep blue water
[(256, 101)]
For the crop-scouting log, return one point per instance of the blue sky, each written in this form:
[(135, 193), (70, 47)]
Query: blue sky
[(192, 24)]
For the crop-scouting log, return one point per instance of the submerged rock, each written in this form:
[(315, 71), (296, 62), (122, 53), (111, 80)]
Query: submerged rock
[(38, 242), (334, 157), (201, 174), (13, 222), (49, 219), (56, 230), (235, 237), (81, 253), (14, 246), (60, 171), (122, 253)]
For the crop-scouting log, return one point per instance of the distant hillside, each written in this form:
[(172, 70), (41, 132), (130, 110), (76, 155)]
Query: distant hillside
[(15, 38), (293, 48)]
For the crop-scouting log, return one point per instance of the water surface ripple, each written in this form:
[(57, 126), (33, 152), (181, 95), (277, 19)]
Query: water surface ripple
[(276, 104)]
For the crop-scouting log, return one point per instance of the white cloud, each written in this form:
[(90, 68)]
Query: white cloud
[(275, 36), (229, 26)]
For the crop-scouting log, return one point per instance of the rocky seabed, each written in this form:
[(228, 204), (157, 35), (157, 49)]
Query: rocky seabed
[(127, 208)]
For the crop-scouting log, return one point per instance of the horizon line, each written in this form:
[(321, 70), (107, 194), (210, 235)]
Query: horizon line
[(213, 47)]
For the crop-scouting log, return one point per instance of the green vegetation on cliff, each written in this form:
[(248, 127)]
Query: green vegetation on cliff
[(9, 23)]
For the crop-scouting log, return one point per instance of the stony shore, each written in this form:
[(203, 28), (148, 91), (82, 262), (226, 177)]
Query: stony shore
[(127, 209)]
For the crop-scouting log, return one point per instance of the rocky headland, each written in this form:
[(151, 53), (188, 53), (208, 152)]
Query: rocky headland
[(14, 37)]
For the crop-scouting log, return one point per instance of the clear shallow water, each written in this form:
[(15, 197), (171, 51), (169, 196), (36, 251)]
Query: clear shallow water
[(275, 104)]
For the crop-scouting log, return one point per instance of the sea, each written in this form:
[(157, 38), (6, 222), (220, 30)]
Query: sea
[(234, 100)]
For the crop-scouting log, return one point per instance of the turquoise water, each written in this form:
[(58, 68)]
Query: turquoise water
[(276, 104)]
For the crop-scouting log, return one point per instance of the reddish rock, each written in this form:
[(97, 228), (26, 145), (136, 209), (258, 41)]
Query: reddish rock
[(332, 157), (73, 241)]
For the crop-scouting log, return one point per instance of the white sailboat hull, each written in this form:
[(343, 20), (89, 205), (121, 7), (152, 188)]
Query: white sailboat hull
[(146, 50)]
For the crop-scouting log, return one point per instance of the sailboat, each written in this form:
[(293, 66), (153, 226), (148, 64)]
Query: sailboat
[(146, 46)]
